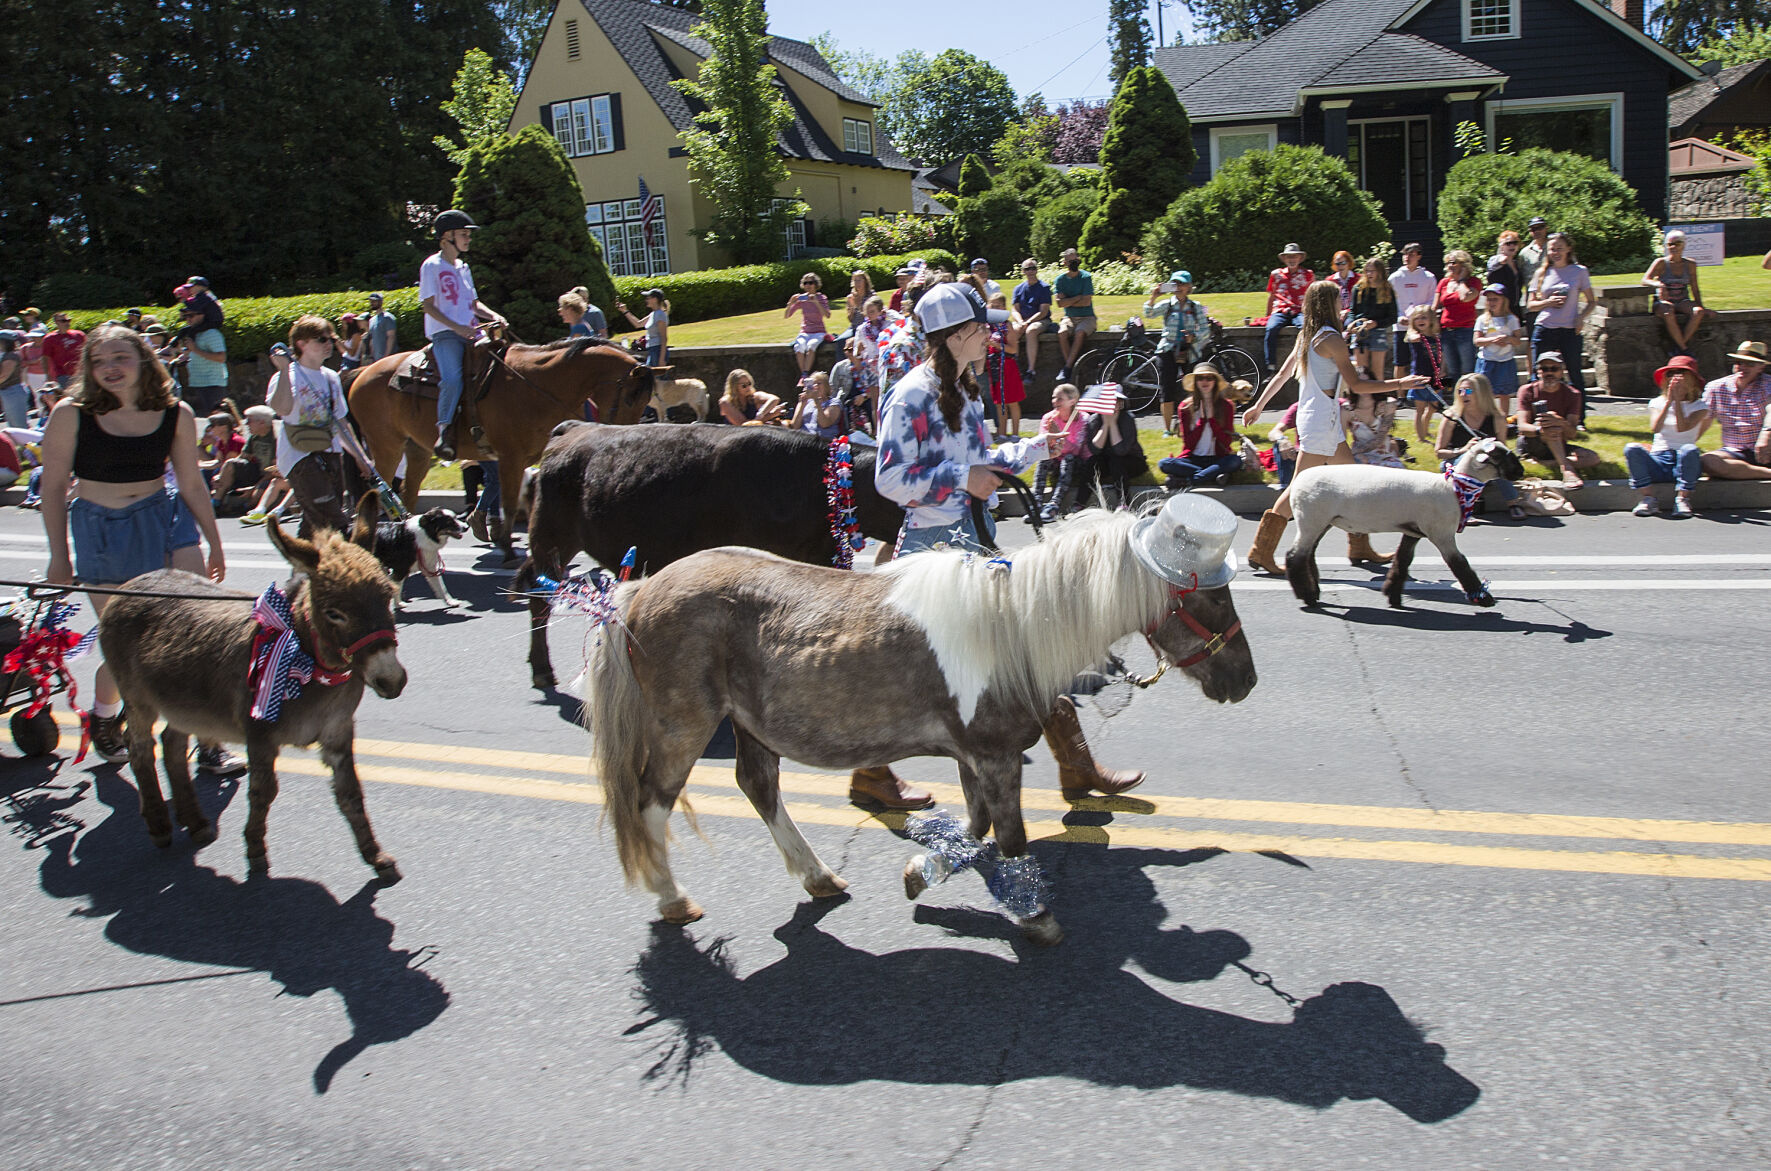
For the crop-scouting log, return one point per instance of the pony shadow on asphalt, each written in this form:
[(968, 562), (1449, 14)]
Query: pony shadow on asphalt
[(163, 903), (796, 1021)]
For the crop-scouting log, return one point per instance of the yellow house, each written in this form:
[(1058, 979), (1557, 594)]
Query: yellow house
[(600, 83)]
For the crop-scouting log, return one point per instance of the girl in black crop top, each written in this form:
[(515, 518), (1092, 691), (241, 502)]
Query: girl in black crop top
[(117, 430)]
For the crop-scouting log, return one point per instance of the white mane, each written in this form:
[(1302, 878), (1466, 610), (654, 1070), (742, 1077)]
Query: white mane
[(1028, 630)]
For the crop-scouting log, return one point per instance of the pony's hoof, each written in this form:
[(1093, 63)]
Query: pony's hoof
[(1483, 600), (258, 863), (914, 882), (1396, 603), (826, 885), (203, 834), (387, 870), (1043, 930), (542, 681), (681, 911)]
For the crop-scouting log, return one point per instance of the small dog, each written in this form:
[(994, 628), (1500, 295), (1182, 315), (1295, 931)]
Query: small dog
[(417, 543)]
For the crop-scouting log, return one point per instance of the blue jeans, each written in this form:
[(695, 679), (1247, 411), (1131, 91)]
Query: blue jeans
[(450, 351), (958, 535), (1459, 353), (1275, 323), (1199, 467), (15, 400), (491, 492), (1502, 489), (1681, 467), (1287, 468)]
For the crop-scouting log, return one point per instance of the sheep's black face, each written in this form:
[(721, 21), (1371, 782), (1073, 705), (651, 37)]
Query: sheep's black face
[(1506, 463)]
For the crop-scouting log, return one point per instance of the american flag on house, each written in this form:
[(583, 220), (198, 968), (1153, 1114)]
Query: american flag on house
[(648, 213), (1101, 399)]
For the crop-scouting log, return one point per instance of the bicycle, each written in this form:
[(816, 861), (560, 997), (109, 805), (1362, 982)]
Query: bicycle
[(1137, 369)]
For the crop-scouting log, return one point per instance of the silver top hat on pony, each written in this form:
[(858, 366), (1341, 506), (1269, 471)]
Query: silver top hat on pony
[(1190, 535)]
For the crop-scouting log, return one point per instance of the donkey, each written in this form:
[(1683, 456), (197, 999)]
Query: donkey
[(188, 659), (940, 654)]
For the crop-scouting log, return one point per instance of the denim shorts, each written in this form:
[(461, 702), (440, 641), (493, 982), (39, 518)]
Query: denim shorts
[(112, 545), (1502, 375), (654, 355), (958, 535), (1376, 340), (184, 525)]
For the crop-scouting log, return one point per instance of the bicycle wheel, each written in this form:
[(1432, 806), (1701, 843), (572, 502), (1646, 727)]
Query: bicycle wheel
[(1237, 364), (1087, 371), (1138, 375)]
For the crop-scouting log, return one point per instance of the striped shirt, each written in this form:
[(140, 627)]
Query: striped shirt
[(1740, 409)]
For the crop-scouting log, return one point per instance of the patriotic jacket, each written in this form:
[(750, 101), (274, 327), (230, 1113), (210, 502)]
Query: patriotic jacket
[(922, 465), (870, 334), (901, 350)]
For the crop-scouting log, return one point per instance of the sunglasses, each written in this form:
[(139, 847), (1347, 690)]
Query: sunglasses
[(1552, 369)]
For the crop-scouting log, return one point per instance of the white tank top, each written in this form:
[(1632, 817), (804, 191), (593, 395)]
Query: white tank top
[(1320, 374)]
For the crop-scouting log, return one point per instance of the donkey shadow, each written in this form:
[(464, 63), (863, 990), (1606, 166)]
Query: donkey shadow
[(796, 1021), (164, 903), (1482, 621)]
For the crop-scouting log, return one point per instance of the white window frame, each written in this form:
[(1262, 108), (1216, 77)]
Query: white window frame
[(857, 136), (1611, 101), (616, 225), (587, 127), (1270, 129), (1511, 34)]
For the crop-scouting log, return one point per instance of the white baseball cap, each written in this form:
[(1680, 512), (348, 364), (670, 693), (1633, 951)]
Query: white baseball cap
[(950, 304)]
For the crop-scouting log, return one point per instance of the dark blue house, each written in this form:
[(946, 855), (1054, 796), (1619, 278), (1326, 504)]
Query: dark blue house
[(1385, 83)]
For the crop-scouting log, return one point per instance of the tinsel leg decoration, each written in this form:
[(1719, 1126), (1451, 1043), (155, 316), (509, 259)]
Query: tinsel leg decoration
[(1017, 883)]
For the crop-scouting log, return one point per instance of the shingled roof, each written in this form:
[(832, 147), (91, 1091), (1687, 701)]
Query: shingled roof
[(632, 25), (1686, 105), (1340, 43)]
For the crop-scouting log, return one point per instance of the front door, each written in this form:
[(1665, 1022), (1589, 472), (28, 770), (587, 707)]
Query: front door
[(1391, 158)]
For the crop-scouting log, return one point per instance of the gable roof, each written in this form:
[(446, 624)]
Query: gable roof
[(1340, 46), (1694, 156), (1687, 105), (631, 26), (1642, 39)]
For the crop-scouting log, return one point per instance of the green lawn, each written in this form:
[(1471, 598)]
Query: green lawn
[(1738, 284)]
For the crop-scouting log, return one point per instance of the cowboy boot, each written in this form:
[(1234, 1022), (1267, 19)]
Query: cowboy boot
[(878, 787), (1359, 549), (1078, 773), (1266, 543), (476, 523)]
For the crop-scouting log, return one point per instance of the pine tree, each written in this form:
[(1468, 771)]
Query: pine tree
[(532, 244), (974, 180), (1128, 29), (1146, 161), (481, 106), (732, 149)]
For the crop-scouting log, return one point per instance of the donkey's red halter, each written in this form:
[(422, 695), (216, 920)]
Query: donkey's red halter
[(368, 640), (1213, 642)]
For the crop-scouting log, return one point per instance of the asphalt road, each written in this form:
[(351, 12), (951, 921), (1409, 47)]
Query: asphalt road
[(1508, 864)]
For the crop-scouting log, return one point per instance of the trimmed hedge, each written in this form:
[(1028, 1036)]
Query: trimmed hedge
[(254, 324), (752, 288)]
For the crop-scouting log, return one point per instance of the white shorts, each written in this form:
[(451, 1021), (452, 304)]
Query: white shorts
[(1319, 424), (36, 381), (808, 342)]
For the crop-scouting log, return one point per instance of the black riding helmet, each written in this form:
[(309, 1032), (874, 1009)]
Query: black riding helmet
[(452, 221)]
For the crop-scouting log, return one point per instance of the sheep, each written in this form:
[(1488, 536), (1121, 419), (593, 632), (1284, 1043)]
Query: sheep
[(670, 392), (1364, 499)]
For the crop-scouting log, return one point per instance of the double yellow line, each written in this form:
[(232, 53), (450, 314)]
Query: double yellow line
[(531, 775)]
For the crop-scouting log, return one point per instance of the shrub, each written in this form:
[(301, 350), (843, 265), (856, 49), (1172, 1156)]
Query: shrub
[(1255, 204), (1057, 225), (974, 180), (69, 290), (1486, 194), (893, 235), (835, 233), (254, 324), (994, 225), (533, 244), (1146, 160), (394, 263)]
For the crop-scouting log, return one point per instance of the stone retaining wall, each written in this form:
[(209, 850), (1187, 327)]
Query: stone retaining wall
[(1627, 343)]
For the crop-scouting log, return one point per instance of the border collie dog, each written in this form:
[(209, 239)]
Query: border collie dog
[(417, 543)]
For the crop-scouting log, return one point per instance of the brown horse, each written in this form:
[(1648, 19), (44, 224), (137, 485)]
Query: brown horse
[(519, 395), (187, 659), (938, 654)]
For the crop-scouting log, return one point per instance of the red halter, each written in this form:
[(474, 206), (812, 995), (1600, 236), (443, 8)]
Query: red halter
[(368, 640), (1213, 642)]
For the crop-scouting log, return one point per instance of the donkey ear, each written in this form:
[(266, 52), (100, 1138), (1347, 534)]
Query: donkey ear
[(368, 512), (1483, 458), (302, 556)]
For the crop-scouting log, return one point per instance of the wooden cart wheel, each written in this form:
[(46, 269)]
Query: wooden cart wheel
[(37, 735)]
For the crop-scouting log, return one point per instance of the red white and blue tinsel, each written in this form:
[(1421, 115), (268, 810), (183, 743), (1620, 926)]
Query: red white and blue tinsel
[(1468, 489), (42, 656), (280, 667), (590, 593), (1017, 883), (839, 493)]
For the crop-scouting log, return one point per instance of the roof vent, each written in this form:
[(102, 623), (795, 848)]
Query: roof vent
[(571, 40), (1710, 68)]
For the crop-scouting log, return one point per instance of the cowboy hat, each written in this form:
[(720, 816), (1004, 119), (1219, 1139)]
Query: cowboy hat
[(1675, 364), (1187, 543), (1292, 250), (1751, 352), (1205, 368)]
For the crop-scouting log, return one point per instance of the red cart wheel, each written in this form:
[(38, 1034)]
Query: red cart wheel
[(36, 735)]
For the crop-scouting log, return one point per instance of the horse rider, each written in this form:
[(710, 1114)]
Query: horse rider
[(453, 314)]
